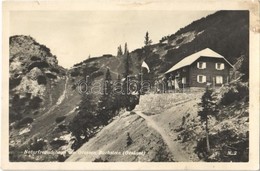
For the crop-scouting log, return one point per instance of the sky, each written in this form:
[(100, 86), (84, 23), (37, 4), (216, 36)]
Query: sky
[(74, 35)]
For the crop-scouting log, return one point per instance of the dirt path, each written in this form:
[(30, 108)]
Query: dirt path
[(174, 148)]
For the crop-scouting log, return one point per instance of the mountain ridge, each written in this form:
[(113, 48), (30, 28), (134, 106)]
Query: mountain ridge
[(43, 95)]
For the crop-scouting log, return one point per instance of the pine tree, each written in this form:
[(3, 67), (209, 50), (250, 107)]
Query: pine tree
[(106, 102), (107, 83), (126, 49), (84, 121), (147, 40), (126, 67), (208, 107), (119, 51)]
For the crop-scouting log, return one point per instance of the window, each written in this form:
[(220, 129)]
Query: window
[(201, 65), (201, 78), (219, 80), (220, 66)]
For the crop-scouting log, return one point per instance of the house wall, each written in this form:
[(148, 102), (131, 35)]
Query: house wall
[(182, 72), (210, 71)]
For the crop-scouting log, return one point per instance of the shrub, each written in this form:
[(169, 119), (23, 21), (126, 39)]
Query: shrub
[(24, 122), (73, 87), (58, 143), (35, 58), (50, 75), (35, 102), (168, 47), (60, 119), (99, 160), (62, 127), (235, 93), (75, 73), (55, 70), (41, 64), (41, 80), (97, 74), (14, 82), (220, 149), (38, 144), (179, 40)]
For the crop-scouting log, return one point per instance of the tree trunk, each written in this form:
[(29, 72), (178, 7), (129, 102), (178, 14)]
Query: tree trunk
[(207, 136)]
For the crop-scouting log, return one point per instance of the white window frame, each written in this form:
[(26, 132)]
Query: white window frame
[(204, 65), (222, 66), (219, 79), (204, 78)]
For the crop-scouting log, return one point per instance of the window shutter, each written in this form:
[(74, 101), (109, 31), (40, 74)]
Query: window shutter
[(198, 78), (204, 79), (221, 80), (204, 65), (198, 65), (222, 66)]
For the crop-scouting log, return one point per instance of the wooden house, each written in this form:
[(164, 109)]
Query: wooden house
[(199, 69)]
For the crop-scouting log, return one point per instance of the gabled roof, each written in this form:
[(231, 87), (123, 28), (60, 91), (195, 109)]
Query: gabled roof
[(192, 58)]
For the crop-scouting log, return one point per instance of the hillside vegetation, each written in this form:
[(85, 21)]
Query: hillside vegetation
[(48, 112), (225, 32), (228, 128), (34, 72), (39, 99)]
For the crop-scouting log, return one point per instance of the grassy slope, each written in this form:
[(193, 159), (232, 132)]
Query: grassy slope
[(113, 138), (145, 137)]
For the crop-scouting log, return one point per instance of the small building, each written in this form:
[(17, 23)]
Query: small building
[(199, 69)]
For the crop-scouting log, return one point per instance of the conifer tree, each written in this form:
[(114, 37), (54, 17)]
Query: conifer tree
[(119, 51), (106, 102), (208, 108), (126, 49), (107, 83), (126, 66), (147, 40), (84, 121)]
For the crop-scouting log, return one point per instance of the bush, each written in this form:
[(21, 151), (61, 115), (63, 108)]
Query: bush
[(35, 102), (168, 47), (14, 82), (50, 75), (41, 64), (222, 144), (55, 70), (35, 58), (97, 74), (235, 93), (99, 160), (58, 143), (60, 119), (24, 122), (62, 127), (41, 80), (37, 145), (75, 73), (179, 40)]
